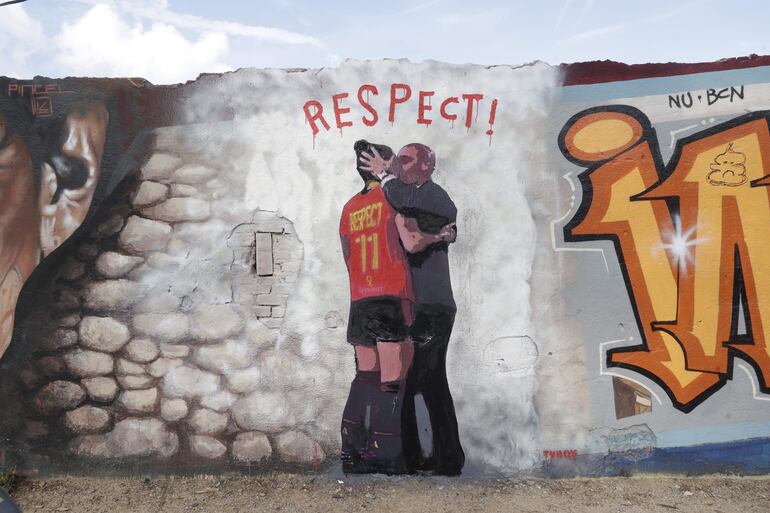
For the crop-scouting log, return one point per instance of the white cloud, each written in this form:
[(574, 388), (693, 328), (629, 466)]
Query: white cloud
[(157, 10), (20, 37), (562, 13), (418, 7), (594, 33), (101, 43)]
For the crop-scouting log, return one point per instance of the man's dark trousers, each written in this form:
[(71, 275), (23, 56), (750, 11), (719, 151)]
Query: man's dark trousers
[(431, 330)]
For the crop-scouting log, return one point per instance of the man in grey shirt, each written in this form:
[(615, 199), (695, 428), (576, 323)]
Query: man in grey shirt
[(426, 207)]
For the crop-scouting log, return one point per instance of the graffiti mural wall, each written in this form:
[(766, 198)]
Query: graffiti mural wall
[(387, 267), (668, 195), (691, 311)]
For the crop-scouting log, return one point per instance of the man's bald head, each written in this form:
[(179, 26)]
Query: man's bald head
[(415, 163)]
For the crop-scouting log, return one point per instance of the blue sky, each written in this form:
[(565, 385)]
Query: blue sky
[(168, 41)]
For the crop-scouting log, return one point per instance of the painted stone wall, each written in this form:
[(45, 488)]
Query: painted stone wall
[(160, 333), (183, 305)]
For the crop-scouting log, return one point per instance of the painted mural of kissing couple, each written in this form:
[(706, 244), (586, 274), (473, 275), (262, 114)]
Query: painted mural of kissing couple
[(395, 239)]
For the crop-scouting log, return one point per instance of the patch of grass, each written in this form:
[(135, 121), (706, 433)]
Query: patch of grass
[(8, 480)]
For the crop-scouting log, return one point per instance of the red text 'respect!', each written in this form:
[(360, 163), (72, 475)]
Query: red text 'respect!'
[(464, 107)]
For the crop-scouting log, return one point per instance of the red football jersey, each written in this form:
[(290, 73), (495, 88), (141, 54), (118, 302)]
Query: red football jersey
[(376, 260)]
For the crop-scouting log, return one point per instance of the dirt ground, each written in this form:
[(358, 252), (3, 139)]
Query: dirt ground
[(323, 493)]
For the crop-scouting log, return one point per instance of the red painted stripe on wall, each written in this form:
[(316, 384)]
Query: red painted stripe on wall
[(597, 72)]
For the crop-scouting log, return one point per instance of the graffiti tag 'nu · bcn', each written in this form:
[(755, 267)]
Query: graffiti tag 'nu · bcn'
[(691, 239)]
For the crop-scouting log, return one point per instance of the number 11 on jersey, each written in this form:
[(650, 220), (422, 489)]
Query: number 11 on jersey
[(365, 240)]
